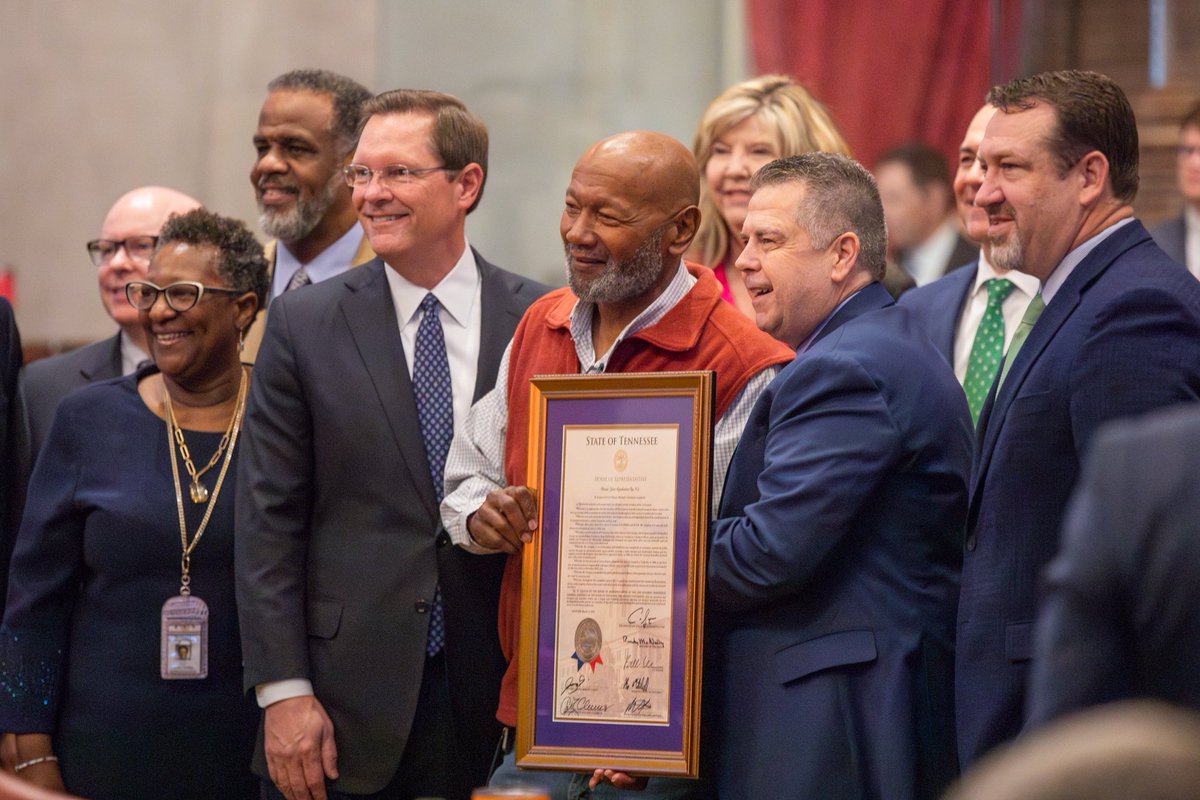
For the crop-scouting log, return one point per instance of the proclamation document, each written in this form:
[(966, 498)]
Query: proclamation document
[(616, 551)]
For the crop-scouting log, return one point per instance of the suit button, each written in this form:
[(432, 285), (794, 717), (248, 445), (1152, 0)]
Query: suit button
[(442, 539), (971, 542), (421, 607)]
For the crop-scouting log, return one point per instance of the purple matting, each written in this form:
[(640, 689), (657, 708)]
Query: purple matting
[(611, 411)]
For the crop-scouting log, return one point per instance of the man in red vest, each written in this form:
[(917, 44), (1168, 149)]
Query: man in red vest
[(632, 305)]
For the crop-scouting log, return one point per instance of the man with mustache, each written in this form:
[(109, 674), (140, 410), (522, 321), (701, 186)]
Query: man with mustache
[(306, 132), (958, 307), (633, 305), (1115, 331), (370, 642)]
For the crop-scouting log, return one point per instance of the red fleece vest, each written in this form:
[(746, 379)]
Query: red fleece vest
[(725, 342)]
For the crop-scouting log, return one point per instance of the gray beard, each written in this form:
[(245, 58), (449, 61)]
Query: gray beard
[(303, 218), (1007, 255), (621, 280)]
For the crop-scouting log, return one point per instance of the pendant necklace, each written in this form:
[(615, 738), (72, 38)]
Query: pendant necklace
[(183, 653)]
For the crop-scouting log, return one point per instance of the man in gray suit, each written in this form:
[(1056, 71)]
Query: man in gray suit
[(370, 640), (121, 254), (1180, 236)]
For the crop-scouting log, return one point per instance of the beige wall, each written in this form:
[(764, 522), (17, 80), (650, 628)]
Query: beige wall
[(99, 96)]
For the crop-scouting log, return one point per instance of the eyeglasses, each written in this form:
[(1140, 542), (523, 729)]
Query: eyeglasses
[(180, 296), (1187, 151), (390, 176), (138, 248)]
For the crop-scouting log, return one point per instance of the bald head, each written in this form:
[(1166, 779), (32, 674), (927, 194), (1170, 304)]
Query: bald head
[(137, 213), (661, 167), (630, 214)]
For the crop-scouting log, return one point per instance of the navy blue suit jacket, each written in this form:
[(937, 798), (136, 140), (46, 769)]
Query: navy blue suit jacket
[(833, 569), (938, 306), (1123, 595), (1121, 337)]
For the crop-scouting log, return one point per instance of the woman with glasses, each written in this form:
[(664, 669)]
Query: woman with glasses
[(746, 126), (119, 653)]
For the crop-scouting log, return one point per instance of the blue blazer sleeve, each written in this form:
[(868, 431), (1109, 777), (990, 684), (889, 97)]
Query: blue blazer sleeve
[(827, 439)]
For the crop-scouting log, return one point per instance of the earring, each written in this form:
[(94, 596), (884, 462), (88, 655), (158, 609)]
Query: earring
[(241, 339)]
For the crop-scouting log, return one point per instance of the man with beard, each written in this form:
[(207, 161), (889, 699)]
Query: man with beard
[(369, 641), (1115, 331), (632, 305), (121, 254), (306, 133)]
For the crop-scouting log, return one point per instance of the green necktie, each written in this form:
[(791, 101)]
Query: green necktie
[(987, 348), (1036, 306)]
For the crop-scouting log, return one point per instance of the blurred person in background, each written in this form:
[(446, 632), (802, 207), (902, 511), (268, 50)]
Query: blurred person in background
[(1180, 236), (121, 254)]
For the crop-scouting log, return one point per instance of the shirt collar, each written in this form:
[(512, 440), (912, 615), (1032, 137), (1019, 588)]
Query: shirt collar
[(1024, 282), (1072, 260), (331, 261), (812, 337), (456, 291), (582, 315)]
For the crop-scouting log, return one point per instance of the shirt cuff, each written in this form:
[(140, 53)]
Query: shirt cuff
[(273, 692)]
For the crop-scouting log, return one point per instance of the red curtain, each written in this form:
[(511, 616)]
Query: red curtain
[(891, 71)]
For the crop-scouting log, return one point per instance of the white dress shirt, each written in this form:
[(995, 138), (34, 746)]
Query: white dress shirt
[(1013, 308), (131, 355), (460, 294), (1191, 239), (927, 261)]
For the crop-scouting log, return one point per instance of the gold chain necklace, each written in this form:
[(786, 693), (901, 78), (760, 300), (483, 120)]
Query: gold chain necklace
[(174, 434), (197, 490)]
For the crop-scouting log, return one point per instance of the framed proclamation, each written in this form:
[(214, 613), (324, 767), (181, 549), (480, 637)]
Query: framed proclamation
[(613, 582)]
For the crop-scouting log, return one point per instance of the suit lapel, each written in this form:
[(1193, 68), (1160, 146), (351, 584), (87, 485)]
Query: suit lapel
[(964, 278), (501, 312), (1057, 312), (871, 297), (371, 317), (107, 363)]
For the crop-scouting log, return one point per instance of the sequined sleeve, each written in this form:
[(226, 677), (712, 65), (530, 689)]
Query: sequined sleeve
[(43, 586)]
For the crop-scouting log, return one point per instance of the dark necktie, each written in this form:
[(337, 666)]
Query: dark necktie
[(435, 413)]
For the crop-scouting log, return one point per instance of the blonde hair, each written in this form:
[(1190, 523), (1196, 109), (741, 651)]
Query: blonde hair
[(800, 123)]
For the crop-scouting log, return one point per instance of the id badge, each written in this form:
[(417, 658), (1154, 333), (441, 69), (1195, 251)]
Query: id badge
[(184, 653)]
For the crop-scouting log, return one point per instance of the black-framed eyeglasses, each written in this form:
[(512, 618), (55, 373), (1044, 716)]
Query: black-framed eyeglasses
[(390, 176), (181, 296), (138, 248)]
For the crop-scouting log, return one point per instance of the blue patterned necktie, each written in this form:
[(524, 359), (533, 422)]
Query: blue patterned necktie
[(435, 412)]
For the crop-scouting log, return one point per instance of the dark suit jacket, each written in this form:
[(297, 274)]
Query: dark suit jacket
[(12, 441), (339, 541), (938, 306), (1121, 337), (46, 382), (1171, 236), (1123, 595), (833, 569)]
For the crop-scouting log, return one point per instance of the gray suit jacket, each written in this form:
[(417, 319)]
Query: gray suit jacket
[(46, 382), (1171, 236), (339, 539)]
